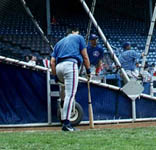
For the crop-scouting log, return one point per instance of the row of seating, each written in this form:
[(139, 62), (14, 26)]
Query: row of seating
[(18, 30)]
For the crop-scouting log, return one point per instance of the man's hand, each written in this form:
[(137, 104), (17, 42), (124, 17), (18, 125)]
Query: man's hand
[(88, 73), (56, 79)]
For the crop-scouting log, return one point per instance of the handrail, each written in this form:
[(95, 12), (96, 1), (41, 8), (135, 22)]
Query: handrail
[(23, 63)]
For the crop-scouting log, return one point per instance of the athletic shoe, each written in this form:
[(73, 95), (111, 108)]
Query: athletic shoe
[(68, 127)]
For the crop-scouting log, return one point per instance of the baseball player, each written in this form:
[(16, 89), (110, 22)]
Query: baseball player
[(128, 60), (95, 53), (66, 58)]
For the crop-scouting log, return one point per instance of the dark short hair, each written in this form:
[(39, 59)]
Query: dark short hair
[(126, 44), (69, 30)]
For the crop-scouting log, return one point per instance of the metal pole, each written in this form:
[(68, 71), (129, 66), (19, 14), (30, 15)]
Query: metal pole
[(88, 31), (104, 39), (133, 110), (36, 24), (49, 98), (150, 9), (48, 71), (111, 51), (148, 40), (48, 17), (90, 22)]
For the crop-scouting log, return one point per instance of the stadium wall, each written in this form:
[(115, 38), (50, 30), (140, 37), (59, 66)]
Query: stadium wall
[(23, 99)]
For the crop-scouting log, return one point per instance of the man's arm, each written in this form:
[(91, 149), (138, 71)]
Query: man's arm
[(99, 63), (136, 55), (85, 58), (53, 65), (100, 57)]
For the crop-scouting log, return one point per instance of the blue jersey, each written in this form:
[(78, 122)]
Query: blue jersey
[(69, 47), (128, 59), (95, 54)]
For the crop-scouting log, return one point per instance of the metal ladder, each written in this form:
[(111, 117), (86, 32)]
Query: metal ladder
[(50, 94)]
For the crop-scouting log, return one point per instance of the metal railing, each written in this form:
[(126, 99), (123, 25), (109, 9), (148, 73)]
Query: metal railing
[(81, 79)]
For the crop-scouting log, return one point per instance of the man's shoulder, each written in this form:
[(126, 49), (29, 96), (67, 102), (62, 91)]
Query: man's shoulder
[(77, 35), (132, 51), (129, 51)]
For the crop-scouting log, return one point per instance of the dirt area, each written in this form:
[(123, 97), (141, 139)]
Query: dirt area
[(81, 127)]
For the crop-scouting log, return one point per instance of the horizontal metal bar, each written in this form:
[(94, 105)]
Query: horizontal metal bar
[(82, 123), (23, 125), (55, 94), (114, 87), (154, 90), (52, 82), (119, 121), (26, 64)]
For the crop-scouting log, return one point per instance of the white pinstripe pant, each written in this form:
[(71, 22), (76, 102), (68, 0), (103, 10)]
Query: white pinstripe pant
[(67, 72)]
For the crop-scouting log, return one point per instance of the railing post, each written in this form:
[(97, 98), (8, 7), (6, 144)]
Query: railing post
[(49, 98), (133, 110)]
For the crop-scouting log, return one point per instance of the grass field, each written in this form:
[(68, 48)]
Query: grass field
[(104, 139)]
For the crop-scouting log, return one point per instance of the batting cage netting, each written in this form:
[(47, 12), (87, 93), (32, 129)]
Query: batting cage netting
[(31, 29)]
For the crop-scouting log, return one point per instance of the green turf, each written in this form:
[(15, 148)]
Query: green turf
[(105, 139)]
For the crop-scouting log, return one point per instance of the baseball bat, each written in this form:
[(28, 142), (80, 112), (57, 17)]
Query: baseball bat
[(90, 109)]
